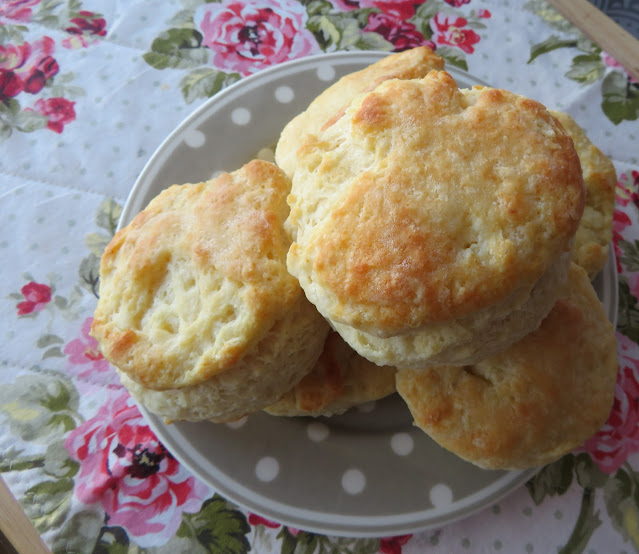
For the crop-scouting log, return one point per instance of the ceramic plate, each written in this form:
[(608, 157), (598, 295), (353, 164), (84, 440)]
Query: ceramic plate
[(368, 472)]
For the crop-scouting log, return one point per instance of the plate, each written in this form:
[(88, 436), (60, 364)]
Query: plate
[(369, 472)]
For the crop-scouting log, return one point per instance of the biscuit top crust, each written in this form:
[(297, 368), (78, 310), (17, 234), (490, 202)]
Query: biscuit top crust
[(331, 104), (426, 202), (197, 278)]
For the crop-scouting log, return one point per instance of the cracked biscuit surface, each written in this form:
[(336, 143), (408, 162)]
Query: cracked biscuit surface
[(426, 207), (196, 304), (534, 402)]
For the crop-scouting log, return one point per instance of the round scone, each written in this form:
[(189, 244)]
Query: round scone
[(432, 224), (592, 241), (340, 380), (531, 404), (329, 106), (197, 309)]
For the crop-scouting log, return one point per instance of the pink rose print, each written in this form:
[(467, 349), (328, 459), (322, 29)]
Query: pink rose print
[(17, 10), (619, 437), (89, 24), (246, 37), (393, 545), (254, 519), (36, 295), (26, 67), (448, 30), (401, 9), (123, 466), (84, 356), (59, 112), (628, 188), (611, 62), (402, 34)]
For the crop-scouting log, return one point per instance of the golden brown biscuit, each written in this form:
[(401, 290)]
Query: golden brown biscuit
[(195, 292), (432, 213), (329, 106), (592, 241), (340, 380), (531, 404)]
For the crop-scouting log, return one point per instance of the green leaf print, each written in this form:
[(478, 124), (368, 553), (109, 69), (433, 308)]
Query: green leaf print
[(620, 98), (177, 49), (628, 313), (551, 43), (585, 526), (112, 540), (47, 504), (453, 57), (107, 216), (219, 527), (553, 479), (550, 15), (630, 257), (78, 535), (205, 82), (621, 497), (39, 407), (340, 31), (586, 68)]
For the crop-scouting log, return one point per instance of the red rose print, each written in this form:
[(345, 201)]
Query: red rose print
[(36, 295), (402, 34), (619, 437), (457, 3), (393, 545), (246, 37), (254, 519), (448, 30), (88, 24), (400, 9), (26, 67), (123, 466), (59, 112), (484, 14), (17, 10)]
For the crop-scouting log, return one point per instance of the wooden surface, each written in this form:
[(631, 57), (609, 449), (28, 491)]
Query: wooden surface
[(602, 30), (16, 527)]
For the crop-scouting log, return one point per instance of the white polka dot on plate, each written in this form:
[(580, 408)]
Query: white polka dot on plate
[(317, 431), (402, 444), (353, 481), (284, 94), (325, 72), (195, 138), (241, 116), (266, 154), (237, 423), (441, 495), (367, 407), (267, 469)]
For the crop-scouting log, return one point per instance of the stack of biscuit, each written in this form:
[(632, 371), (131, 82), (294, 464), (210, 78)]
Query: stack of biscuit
[(413, 237)]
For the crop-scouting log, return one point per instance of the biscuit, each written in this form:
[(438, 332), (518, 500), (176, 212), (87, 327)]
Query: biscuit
[(331, 104), (340, 380), (592, 241), (428, 208), (194, 292), (531, 404)]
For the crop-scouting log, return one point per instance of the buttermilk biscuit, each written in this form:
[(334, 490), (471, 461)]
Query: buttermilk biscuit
[(531, 404), (329, 106), (340, 380), (432, 224), (594, 234), (196, 301)]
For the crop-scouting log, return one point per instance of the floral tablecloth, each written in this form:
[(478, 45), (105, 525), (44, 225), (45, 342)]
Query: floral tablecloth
[(88, 90)]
